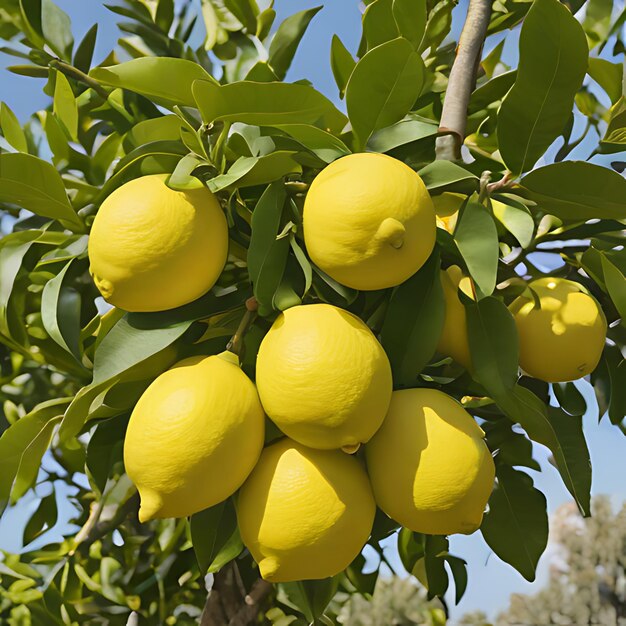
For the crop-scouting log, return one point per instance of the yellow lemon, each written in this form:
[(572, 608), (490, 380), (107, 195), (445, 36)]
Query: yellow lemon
[(323, 378), (453, 340), (429, 466), (193, 437), (562, 336), (304, 513), (368, 221), (152, 248), (447, 207)]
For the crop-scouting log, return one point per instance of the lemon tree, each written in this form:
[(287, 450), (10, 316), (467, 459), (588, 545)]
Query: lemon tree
[(428, 261)]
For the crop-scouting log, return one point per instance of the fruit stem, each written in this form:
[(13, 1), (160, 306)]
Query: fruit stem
[(235, 345)]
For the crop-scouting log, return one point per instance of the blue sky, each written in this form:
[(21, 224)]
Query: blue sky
[(490, 581)]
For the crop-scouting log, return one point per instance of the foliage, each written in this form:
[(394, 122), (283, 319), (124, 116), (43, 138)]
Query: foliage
[(201, 96)]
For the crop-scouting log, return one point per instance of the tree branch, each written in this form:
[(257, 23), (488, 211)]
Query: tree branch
[(462, 80), (73, 72), (248, 613)]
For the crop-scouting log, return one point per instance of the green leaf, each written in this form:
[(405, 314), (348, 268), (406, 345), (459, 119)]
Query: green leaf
[(608, 75), (597, 23), (379, 25), (410, 17), (405, 131), (34, 184), (44, 518), (476, 236), (441, 174), (383, 87), (560, 432), (164, 15), (215, 536), (12, 129), (105, 450), (326, 146), (458, 568), (570, 399), (56, 29), (491, 92), (262, 104), (513, 448), (311, 597), (577, 191), (436, 549), (552, 66), (267, 256), (342, 64), (245, 11), (413, 322), (64, 106), (516, 525), (84, 51), (493, 344), (181, 177), (32, 429), (516, 218), (287, 38), (166, 80), (60, 313), (616, 286)]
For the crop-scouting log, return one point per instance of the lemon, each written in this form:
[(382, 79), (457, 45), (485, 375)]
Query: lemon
[(429, 466), (152, 248), (562, 338), (453, 341), (304, 513), (322, 377), (447, 207), (368, 221), (193, 437)]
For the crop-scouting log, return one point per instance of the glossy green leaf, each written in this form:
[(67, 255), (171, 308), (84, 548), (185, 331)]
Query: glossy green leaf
[(577, 190), (342, 64), (570, 399), (493, 344), (560, 432), (32, 429), (245, 11), (476, 236), (435, 551), (597, 23), (60, 313), (267, 256), (516, 218), (326, 146), (383, 87), (516, 525), (441, 174), (405, 131), (379, 25), (413, 322), (215, 536), (458, 567), (84, 51), (491, 92), (311, 597), (64, 106), (552, 66), (166, 80), (44, 518), (512, 448), (287, 38), (105, 450), (616, 286), (410, 17), (11, 129), (56, 29), (608, 75), (34, 184), (182, 177)]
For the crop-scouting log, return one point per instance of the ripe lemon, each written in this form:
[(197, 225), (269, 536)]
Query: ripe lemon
[(368, 221), (429, 466), (562, 338), (193, 437), (322, 377), (453, 340), (304, 513), (447, 207), (152, 248)]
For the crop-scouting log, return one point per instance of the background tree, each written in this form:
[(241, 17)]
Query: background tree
[(213, 109)]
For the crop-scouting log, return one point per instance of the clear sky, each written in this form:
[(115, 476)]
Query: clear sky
[(490, 580)]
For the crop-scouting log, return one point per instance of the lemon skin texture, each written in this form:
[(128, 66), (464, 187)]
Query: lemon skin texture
[(152, 248), (428, 464), (447, 207), (454, 341), (193, 437), (303, 513), (322, 377), (369, 221), (562, 339)]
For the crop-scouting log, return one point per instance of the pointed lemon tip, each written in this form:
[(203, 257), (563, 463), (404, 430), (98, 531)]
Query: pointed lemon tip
[(351, 448), (269, 568), (150, 506), (391, 231)]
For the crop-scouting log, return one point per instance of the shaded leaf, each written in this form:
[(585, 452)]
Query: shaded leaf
[(342, 64), (410, 17)]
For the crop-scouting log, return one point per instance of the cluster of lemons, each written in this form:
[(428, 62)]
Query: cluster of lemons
[(306, 503)]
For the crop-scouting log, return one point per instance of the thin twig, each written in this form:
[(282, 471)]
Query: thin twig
[(73, 72), (462, 80), (235, 345), (248, 613)]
